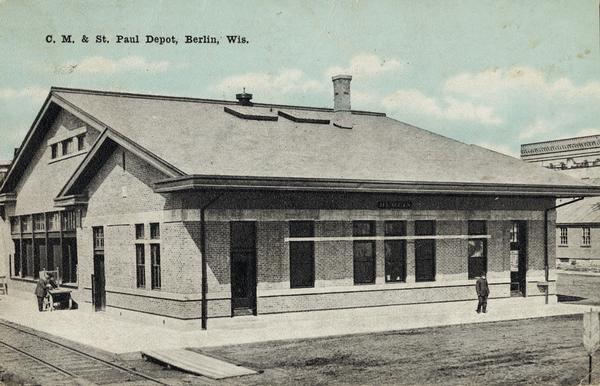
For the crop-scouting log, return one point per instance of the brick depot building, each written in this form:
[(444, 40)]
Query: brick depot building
[(188, 209)]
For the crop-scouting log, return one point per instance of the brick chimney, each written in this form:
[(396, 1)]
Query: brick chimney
[(341, 101), (341, 92)]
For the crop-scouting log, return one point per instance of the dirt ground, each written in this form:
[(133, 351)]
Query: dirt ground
[(545, 351), (533, 352)]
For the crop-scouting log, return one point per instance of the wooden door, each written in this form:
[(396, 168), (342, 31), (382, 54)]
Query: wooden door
[(98, 290), (243, 267)]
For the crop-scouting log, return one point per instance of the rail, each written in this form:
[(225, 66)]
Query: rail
[(79, 352)]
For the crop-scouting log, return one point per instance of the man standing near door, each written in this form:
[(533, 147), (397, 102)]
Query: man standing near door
[(40, 290), (483, 291)]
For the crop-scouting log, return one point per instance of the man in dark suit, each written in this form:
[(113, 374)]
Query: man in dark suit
[(483, 291), (45, 283), (40, 290)]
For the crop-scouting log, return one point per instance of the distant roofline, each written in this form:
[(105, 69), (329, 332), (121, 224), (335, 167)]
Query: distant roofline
[(200, 100), (561, 139)]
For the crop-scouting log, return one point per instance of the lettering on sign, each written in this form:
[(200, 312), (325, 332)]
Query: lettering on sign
[(591, 331), (394, 204)]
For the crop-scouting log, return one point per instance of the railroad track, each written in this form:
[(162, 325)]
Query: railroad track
[(62, 364)]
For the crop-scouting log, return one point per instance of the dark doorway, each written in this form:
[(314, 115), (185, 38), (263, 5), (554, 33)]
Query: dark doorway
[(518, 259), (243, 268), (395, 252), (98, 279), (424, 251), (98, 290)]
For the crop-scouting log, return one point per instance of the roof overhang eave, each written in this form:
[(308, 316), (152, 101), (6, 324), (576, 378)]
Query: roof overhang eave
[(7, 198), (196, 182), (71, 200)]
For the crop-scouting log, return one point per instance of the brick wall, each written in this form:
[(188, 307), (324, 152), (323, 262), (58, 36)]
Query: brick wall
[(333, 259), (117, 191), (391, 296), (217, 254), (272, 252), (451, 254), (535, 245)]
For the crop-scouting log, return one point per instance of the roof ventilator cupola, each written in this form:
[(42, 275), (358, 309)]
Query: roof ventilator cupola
[(341, 101), (244, 98)]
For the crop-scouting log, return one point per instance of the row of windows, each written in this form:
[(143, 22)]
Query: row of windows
[(140, 253), (34, 255), (140, 231), (51, 221), (586, 238), (67, 146), (45, 241), (302, 256)]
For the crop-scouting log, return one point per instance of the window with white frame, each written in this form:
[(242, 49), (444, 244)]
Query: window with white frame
[(585, 236), (564, 236)]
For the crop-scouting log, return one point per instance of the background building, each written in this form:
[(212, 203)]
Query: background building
[(577, 224)]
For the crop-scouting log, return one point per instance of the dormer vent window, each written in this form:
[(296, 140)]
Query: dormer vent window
[(67, 143)]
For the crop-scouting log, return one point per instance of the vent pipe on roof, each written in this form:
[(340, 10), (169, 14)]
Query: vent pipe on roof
[(244, 98), (341, 101)]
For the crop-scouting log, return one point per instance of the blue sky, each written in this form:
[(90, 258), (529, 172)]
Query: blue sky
[(492, 73)]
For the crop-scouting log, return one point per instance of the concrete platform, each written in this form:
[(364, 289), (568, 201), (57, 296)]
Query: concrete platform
[(106, 332)]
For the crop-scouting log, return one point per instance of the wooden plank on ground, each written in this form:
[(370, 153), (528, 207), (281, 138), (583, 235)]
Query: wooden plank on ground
[(198, 363)]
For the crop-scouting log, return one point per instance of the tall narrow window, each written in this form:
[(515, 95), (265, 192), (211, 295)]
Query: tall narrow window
[(155, 255), (364, 252), (302, 255), (585, 237), (54, 150), (98, 233), (139, 231), (14, 225), (53, 221), (424, 251), (17, 259), (514, 232), (68, 220), (477, 249), (140, 265), (67, 146), (39, 223), (564, 236), (154, 231), (81, 142), (395, 252), (26, 223), (27, 258)]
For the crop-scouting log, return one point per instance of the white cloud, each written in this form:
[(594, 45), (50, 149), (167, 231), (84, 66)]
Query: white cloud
[(285, 81), (32, 92), (414, 101), (365, 65), (494, 83), (587, 131), (538, 128), (500, 148), (102, 65)]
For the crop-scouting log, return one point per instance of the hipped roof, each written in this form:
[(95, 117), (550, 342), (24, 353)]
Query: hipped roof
[(201, 138)]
